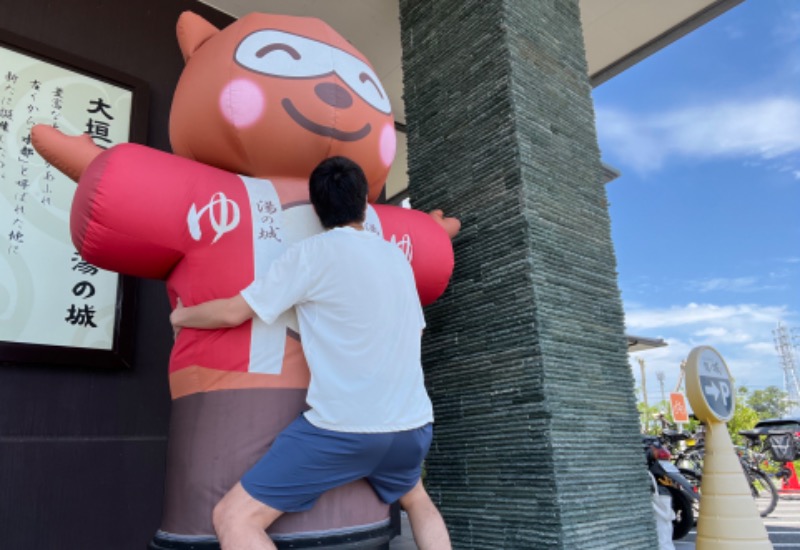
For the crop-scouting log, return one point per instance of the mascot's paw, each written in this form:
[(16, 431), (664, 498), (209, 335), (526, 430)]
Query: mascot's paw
[(451, 225), (70, 154)]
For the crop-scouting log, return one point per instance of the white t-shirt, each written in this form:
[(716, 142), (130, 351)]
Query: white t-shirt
[(360, 324)]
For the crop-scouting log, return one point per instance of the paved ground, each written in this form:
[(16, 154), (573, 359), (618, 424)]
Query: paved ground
[(783, 526)]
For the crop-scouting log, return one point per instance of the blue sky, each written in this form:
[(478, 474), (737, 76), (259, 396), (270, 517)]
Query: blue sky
[(706, 214)]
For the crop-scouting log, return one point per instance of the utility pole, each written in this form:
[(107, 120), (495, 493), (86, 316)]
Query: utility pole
[(660, 376), (646, 422), (681, 376)]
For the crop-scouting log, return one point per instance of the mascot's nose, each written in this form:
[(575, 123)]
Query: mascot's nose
[(334, 95)]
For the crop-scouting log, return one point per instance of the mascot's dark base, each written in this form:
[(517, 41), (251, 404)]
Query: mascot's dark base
[(373, 539)]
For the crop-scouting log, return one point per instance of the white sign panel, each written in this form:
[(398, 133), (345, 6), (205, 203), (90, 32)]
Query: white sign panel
[(48, 294)]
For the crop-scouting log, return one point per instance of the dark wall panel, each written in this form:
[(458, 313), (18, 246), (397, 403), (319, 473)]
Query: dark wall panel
[(82, 451), (86, 493)]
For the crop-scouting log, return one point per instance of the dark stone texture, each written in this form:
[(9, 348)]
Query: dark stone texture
[(537, 436)]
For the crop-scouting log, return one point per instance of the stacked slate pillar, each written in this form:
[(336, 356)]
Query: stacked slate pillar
[(537, 439)]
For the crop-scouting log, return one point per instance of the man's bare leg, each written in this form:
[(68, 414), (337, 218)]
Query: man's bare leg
[(241, 521), (427, 524)]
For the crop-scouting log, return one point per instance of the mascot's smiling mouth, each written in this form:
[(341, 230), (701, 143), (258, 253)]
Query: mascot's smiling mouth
[(326, 131)]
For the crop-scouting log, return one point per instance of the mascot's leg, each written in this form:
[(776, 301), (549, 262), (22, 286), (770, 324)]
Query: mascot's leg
[(70, 154)]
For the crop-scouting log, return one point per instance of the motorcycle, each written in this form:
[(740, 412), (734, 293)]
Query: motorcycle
[(670, 479)]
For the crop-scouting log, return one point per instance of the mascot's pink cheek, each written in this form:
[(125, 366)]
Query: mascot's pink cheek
[(388, 145), (241, 102)]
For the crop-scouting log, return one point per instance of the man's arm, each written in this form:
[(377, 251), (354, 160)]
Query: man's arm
[(222, 313)]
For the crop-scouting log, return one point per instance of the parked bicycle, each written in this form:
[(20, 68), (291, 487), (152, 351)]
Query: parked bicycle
[(688, 452), (761, 486), (775, 443)]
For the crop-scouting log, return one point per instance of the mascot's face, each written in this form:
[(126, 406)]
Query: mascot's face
[(273, 95)]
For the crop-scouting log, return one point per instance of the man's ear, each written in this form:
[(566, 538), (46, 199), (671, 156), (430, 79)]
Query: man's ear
[(193, 31)]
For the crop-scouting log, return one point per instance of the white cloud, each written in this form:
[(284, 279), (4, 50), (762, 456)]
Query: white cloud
[(742, 333), (723, 335), (711, 331), (766, 128), (761, 347), (788, 30), (738, 284), (693, 313), (734, 32)]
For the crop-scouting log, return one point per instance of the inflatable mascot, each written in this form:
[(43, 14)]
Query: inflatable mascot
[(258, 106)]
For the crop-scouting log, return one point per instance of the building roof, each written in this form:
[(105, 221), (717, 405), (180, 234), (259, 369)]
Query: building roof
[(642, 343)]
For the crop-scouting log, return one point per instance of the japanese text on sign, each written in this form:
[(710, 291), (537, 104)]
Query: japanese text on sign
[(58, 298)]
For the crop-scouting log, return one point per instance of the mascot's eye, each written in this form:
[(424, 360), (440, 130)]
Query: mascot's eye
[(364, 78), (266, 50), (304, 57)]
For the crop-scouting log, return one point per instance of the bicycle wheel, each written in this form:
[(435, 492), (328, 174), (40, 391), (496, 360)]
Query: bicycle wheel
[(764, 491)]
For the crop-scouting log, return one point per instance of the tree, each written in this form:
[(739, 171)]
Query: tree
[(744, 418), (649, 415), (771, 402)]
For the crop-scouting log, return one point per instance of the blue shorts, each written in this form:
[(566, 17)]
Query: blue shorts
[(305, 461)]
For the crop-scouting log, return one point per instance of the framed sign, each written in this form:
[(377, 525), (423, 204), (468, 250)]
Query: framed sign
[(54, 306)]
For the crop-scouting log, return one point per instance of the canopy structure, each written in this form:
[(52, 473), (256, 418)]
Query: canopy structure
[(642, 343)]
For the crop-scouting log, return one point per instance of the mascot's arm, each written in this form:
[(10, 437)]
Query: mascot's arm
[(69, 154), (129, 213), (113, 208), (425, 238)]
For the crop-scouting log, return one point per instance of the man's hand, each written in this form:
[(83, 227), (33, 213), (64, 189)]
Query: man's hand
[(176, 329)]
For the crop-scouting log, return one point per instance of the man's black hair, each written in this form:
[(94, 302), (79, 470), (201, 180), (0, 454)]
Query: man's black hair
[(338, 191)]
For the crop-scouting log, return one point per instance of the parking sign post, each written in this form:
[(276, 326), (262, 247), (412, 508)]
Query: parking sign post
[(729, 519)]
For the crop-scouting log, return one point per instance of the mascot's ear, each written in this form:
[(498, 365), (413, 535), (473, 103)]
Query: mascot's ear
[(193, 31)]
